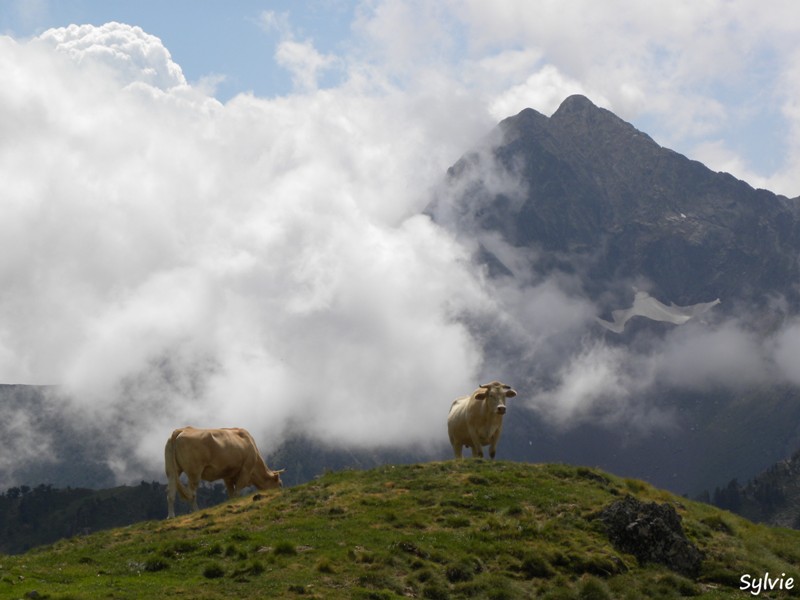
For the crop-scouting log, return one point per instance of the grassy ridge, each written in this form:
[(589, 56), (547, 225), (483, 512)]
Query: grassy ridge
[(470, 529)]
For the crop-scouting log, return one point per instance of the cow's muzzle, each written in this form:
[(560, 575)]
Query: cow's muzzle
[(501, 410)]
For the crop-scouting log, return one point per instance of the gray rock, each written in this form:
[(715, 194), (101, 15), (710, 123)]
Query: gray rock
[(652, 533)]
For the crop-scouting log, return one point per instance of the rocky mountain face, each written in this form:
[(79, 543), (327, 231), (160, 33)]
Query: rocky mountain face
[(772, 497), (593, 194)]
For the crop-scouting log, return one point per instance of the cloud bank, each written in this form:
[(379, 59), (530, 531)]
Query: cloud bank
[(170, 259)]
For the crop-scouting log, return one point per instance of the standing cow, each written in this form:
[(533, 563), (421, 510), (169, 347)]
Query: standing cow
[(211, 454), (477, 420)]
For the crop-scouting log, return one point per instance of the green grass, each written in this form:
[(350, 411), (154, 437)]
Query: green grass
[(469, 529)]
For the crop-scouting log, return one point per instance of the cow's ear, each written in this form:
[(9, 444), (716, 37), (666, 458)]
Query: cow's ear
[(480, 396), (510, 393)]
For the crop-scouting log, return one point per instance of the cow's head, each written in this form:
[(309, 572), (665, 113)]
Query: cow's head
[(494, 396), (275, 478), (267, 479)]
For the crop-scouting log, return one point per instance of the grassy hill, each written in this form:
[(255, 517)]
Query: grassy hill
[(31, 517), (471, 529)]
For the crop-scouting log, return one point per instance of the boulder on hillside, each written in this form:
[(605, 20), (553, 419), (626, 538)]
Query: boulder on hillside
[(652, 533)]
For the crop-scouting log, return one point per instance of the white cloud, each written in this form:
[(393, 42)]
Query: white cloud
[(270, 21), (406, 38), (19, 445), (304, 62), (595, 381), (787, 180), (169, 259), (726, 356), (545, 89), (786, 350), (600, 384), (128, 51), (718, 157)]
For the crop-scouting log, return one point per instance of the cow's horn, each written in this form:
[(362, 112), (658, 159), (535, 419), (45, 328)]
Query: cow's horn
[(279, 471)]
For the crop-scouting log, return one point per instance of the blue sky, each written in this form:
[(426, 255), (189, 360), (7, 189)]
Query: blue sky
[(212, 199), (204, 37)]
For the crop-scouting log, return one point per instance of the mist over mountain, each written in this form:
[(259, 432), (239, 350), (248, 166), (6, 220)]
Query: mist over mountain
[(43, 445), (579, 217), (535, 236)]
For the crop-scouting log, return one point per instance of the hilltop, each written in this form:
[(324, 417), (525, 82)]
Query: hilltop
[(471, 529)]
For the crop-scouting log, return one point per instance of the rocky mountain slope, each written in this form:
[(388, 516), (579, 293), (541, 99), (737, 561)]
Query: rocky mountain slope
[(597, 196), (772, 497)]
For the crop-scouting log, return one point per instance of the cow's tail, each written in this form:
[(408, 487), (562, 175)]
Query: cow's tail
[(171, 466)]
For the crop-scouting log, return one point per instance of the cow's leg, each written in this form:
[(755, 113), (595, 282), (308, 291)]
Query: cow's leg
[(230, 485), (172, 489), (477, 449), (457, 450), (242, 481), (493, 442), (456, 446), (194, 483)]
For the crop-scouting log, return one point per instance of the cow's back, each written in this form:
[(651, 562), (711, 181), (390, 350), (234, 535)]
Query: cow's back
[(190, 449), (212, 453)]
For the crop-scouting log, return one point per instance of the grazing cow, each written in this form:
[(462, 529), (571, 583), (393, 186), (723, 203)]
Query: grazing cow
[(477, 420), (211, 454)]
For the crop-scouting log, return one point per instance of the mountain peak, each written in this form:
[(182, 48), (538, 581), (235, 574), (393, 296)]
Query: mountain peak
[(576, 103), (579, 118), (604, 194), (577, 108)]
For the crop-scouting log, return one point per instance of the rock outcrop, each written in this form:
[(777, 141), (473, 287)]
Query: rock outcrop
[(652, 533)]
